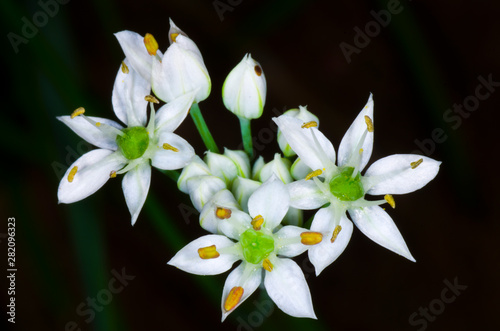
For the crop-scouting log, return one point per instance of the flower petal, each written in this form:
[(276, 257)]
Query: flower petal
[(326, 252), (315, 150), (305, 194), (271, 201), (284, 236), (299, 170), (242, 189), (240, 158), (128, 97), (196, 167), (377, 225), (135, 186), (287, 286), (222, 167), (395, 175), (188, 259), (278, 166), (170, 116), (91, 133), (246, 275), (202, 188), (349, 144), (93, 172), (168, 159)]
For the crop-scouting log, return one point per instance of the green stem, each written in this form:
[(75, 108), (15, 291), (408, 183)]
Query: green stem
[(172, 174), (246, 134), (202, 128)]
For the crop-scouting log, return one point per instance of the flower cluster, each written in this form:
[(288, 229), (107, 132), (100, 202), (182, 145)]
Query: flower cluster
[(253, 210)]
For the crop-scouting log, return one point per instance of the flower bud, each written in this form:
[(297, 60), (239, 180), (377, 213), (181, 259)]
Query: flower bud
[(244, 90), (222, 166), (304, 115), (195, 168), (279, 167), (242, 189), (241, 161)]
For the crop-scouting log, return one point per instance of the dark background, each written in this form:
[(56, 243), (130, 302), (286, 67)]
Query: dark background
[(427, 59)]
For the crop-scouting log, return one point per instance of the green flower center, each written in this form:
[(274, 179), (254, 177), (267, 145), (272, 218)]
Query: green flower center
[(134, 142), (256, 245), (346, 188)]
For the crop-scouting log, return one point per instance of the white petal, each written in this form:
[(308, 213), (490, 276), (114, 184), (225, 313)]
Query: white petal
[(284, 236), (394, 175), (271, 201), (222, 167), (134, 49), (377, 225), (299, 169), (240, 158), (310, 144), (326, 252), (257, 167), (128, 97), (242, 189), (349, 143), (135, 186), (287, 286), (91, 133), (168, 159), (93, 172), (170, 116), (247, 276), (202, 188), (278, 166), (188, 259), (196, 167), (305, 194), (234, 226)]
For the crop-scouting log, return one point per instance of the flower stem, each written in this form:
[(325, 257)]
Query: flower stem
[(246, 134), (173, 174), (202, 128)]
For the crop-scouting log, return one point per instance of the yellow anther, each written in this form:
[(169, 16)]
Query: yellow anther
[(257, 222), (98, 124), (151, 44), (369, 123), (416, 163), (222, 213), (233, 298), (112, 174), (173, 36), (360, 151), (72, 174), (150, 98), (390, 200), (208, 252), (124, 68), (170, 147), (315, 173), (311, 238), (336, 231), (309, 125), (266, 264), (78, 111)]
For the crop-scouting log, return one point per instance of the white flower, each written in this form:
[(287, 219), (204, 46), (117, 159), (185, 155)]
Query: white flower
[(131, 150), (261, 251), (302, 114), (344, 188), (244, 90)]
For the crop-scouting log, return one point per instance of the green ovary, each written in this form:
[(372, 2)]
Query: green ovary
[(256, 245), (134, 142), (346, 188)]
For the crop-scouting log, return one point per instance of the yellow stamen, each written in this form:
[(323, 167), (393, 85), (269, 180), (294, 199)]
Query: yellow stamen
[(315, 173), (150, 98), (233, 298), (311, 238), (72, 174), (124, 68), (170, 147), (338, 228), (222, 213), (98, 124), (309, 125), (360, 151), (416, 163), (266, 264), (208, 252), (151, 44), (112, 174), (173, 36), (369, 124), (78, 111), (390, 200), (257, 222)]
